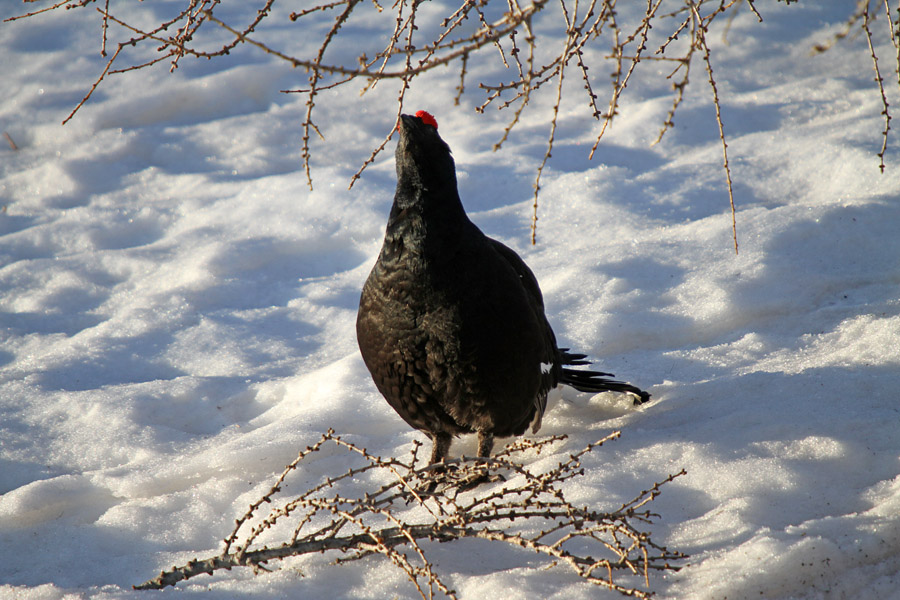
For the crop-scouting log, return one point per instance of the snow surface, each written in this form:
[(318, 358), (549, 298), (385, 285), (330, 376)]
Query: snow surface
[(177, 312)]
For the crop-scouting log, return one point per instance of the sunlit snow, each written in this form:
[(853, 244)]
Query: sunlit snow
[(177, 311)]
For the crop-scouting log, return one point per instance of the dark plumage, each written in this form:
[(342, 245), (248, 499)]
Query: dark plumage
[(451, 323)]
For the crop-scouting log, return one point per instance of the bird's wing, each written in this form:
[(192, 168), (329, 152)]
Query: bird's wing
[(529, 281), (551, 369)]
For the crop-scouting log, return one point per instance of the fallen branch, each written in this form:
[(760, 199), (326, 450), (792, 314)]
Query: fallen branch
[(375, 507)]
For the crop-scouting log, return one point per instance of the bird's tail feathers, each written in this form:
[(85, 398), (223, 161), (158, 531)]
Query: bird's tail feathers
[(595, 381), (572, 358)]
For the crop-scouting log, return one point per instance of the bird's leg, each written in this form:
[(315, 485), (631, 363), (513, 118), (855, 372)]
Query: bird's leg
[(440, 446), (485, 444), (480, 471), (434, 475)]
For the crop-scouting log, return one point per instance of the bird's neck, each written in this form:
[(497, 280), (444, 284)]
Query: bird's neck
[(425, 225)]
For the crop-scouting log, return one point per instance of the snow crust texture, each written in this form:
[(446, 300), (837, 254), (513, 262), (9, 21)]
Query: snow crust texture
[(177, 313)]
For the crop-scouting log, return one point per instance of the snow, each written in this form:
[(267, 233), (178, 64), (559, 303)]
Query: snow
[(177, 312)]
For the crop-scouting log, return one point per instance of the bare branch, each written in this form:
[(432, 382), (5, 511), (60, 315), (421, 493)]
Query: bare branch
[(700, 37), (508, 38), (880, 82), (375, 507)]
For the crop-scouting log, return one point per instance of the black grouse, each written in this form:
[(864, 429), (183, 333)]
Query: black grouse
[(451, 323)]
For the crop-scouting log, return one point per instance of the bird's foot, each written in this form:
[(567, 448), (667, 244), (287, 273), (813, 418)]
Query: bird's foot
[(432, 480), (474, 480), (450, 479)]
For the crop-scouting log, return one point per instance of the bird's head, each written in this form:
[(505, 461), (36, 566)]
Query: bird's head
[(423, 158)]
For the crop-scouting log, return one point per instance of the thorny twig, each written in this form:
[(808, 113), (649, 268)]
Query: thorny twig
[(864, 16), (376, 507), (879, 80), (410, 42), (700, 25)]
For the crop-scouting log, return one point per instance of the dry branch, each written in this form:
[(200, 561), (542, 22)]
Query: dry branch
[(504, 35), (390, 507), (879, 80)]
